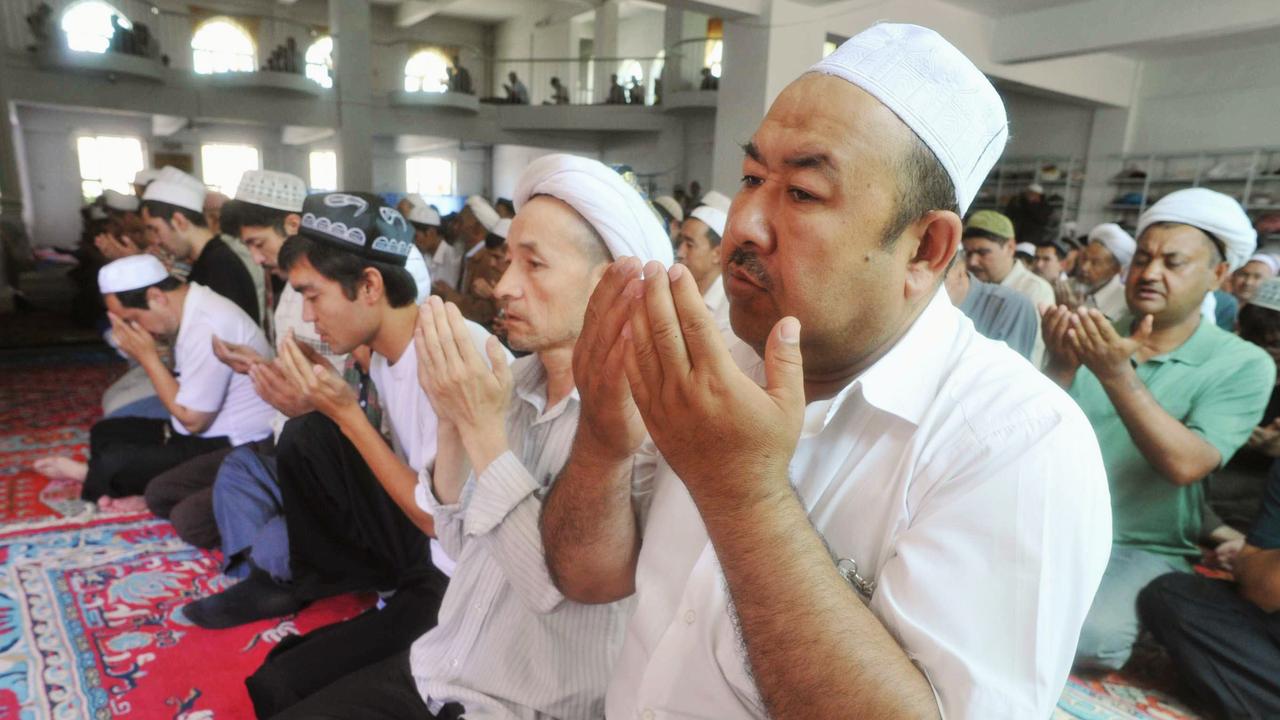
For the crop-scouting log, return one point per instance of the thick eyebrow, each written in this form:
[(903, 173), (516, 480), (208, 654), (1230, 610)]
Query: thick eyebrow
[(302, 288), (750, 150), (805, 161)]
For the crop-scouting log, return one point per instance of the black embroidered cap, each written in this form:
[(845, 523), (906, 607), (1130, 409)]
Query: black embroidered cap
[(361, 223)]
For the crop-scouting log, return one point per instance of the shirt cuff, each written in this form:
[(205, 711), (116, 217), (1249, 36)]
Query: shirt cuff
[(498, 490), (426, 498)]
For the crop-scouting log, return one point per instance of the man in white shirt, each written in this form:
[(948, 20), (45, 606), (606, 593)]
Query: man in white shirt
[(443, 260), (698, 248), (209, 406), (868, 509), (989, 247), (508, 644)]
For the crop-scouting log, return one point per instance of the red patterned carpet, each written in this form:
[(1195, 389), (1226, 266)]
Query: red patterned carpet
[(90, 625)]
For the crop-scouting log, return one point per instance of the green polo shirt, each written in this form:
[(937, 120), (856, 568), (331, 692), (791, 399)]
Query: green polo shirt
[(1218, 386)]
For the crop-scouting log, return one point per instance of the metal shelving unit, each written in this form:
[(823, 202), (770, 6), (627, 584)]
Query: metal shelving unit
[(1062, 178)]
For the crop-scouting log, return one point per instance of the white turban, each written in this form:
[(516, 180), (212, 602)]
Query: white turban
[(617, 211), (933, 88), (668, 203), (1271, 261), (1211, 211), (1118, 242), (483, 211), (417, 267)]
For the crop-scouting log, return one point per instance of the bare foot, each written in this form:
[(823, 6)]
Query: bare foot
[(62, 467), (131, 504)]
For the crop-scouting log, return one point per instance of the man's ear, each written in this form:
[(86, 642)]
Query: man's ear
[(936, 237), (292, 222), (1220, 273), (156, 299), (372, 287)]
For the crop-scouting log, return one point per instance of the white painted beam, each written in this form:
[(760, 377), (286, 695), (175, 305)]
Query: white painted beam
[(1110, 25), (727, 9), (412, 12)]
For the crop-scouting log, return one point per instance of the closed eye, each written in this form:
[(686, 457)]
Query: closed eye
[(751, 181), (800, 195)]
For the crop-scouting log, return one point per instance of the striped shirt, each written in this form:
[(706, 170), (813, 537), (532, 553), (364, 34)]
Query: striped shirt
[(508, 644)]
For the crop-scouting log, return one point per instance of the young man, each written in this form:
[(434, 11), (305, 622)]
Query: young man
[(823, 490), (698, 248), (1170, 396), (1048, 262), (173, 210), (347, 496), (989, 245), (210, 407), (523, 650), (443, 260)]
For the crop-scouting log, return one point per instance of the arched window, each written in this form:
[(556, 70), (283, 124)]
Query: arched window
[(426, 71), (88, 25), (320, 61), (221, 45)]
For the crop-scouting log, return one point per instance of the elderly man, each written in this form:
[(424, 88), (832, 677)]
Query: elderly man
[(508, 643), (698, 248), (821, 490), (1257, 270), (1102, 268), (1170, 395), (989, 248)]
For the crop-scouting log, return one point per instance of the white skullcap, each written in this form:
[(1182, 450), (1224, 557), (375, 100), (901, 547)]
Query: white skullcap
[(119, 201), (933, 88), (415, 200), (714, 217), (417, 267), (616, 210), (668, 203), (1271, 261), (483, 211), (1025, 248), (1119, 243), (716, 200), (501, 228), (130, 273), (424, 215), (271, 189), (176, 188), (1036, 188), (1268, 295), (145, 177), (1211, 211), (97, 213)]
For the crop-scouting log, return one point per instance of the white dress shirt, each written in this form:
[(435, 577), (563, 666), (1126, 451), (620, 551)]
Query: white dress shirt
[(508, 644), (1039, 292), (968, 489), (446, 263), (718, 303), (1109, 299)]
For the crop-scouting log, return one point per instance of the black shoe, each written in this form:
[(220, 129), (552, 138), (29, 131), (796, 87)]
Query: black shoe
[(257, 597)]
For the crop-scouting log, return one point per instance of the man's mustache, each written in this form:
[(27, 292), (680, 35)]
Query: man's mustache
[(750, 264)]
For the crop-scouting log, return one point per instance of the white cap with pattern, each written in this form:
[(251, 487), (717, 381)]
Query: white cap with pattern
[(176, 188), (424, 215), (272, 189)]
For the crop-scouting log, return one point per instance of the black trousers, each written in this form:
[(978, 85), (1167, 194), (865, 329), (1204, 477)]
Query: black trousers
[(126, 453), (183, 495), (345, 534), (382, 691), (1226, 648)]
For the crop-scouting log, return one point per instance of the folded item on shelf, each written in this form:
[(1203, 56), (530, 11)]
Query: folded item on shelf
[(1229, 169)]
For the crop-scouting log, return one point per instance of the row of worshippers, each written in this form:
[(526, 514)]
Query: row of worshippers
[(648, 516)]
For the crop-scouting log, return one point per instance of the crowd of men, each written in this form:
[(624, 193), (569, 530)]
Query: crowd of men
[(735, 458)]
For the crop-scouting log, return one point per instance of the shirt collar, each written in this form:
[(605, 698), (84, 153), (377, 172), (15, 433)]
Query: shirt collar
[(1196, 350), (529, 378), (1015, 274)]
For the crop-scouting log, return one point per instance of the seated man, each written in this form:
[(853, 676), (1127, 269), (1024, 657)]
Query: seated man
[(823, 490), (524, 650), (444, 262), (210, 407), (1170, 396), (1224, 637), (989, 247), (348, 497), (1102, 269), (1049, 261), (698, 248), (996, 311)]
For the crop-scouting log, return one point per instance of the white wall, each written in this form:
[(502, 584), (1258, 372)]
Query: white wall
[(1041, 126), (1209, 101)]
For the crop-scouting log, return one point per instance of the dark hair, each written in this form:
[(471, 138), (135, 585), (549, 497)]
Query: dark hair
[(1259, 325), (137, 299), (504, 201), (347, 269), (1058, 250), (923, 186), (492, 241), (251, 215), (165, 211)]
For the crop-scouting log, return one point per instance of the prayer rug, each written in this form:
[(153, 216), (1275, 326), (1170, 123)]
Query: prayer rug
[(91, 626), (1115, 697)]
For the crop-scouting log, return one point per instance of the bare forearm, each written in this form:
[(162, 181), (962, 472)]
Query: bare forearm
[(589, 530), (397, 479), (814, 648), (166, 386), (1178, 453), (451, 467), (1258, 573)]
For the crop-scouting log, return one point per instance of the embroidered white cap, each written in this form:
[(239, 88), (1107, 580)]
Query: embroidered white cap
[(130, 273), (176, 188), (668, 203), (272, 189), (424, 215), (119, 201), (714, 217)]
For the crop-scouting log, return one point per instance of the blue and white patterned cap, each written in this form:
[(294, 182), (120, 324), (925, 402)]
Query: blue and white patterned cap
[(933, 88), (361, 223)]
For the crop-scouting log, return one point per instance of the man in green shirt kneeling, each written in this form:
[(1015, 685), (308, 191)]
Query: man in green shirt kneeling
[(1170, 396)]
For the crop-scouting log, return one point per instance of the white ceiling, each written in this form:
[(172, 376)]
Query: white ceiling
[(1004, 7)]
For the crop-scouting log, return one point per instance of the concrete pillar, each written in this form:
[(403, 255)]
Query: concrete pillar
[(672, 34), (1107, 138), (605, 45), (350, 22), (10, 177)]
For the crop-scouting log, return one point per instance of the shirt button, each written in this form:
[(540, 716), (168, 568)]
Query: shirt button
[(647, 715), (689, 617)]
